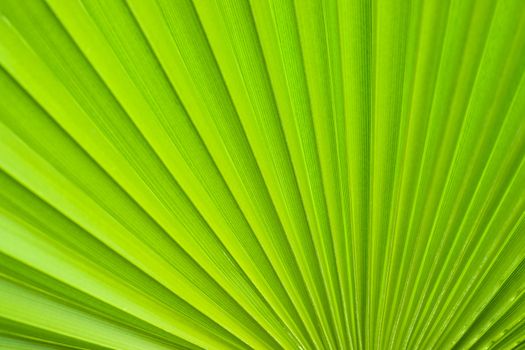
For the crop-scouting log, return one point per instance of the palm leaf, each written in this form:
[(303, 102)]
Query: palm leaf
[(342, 174)]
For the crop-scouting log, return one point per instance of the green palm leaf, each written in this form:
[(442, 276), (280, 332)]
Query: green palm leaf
[(224, 174)]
